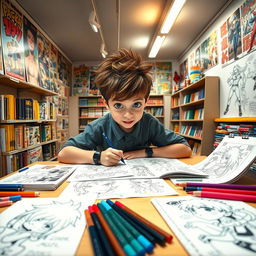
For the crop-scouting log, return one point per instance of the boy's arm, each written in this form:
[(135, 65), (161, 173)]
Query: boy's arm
[(169, 151), (71, 154)]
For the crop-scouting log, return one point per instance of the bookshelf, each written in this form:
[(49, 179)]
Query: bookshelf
[(155, 106), (193, 110), (31, 133)]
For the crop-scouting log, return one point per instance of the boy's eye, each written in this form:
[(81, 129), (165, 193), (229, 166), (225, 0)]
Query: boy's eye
[(137, 105), (118, 106)]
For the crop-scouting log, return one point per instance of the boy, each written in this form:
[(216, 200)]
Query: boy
[(124, 82)]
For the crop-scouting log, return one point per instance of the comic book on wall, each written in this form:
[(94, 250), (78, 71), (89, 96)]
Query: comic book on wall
[(12, 41), (43, 46), (53, 68), (81, 80), (30, 52)]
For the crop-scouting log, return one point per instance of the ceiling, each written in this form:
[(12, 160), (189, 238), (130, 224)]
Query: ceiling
[(66, 23)]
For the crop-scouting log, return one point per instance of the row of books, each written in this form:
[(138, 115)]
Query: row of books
[(62, 107), (62, 123), (15, 137), (175, 102), (195, 146), (91, 102), (193, 96), (176, 115), (11, 163), (93, 112), (155, 111), (155, 101), (12, 108), (193, 114), (190, 130), (84, 122)]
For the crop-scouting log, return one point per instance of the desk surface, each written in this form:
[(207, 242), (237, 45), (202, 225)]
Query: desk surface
[(143, 207)]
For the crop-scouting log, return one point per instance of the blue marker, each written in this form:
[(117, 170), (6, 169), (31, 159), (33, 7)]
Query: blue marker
[(11, 186), (110, 144), (23, 169)]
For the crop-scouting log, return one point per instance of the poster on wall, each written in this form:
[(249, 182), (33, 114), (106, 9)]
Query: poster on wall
[(12, 41), (62, 69), (184, 70), (53, 68), (81, 80), (30, 52), (163, 77), (248, 21), (43, 46), (238, 93)]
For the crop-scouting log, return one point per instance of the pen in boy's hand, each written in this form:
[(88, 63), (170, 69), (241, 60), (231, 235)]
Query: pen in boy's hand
[(109, 142)]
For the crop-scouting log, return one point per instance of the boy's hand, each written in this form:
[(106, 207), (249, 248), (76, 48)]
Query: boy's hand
[(135, 154), (111, 156)]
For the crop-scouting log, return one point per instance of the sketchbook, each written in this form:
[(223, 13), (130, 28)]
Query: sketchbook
[(218, 227), (229, 161), (104, 189), (43, 226), (139, 168), (41, 177)]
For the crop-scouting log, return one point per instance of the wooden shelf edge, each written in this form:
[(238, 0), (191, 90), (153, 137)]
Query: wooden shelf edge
[(235, 119)]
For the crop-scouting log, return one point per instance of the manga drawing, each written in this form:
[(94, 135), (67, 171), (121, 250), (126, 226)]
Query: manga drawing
[(37, 225), (217, 222)]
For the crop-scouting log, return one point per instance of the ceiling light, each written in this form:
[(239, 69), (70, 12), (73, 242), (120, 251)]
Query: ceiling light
[(94, 24), (103, 52), (172, 15), (156, 46)]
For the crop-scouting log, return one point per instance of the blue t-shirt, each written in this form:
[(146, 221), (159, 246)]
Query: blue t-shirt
[(148, 131)]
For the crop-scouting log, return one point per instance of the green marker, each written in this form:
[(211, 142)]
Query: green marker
[(121, 239), (127, 234)]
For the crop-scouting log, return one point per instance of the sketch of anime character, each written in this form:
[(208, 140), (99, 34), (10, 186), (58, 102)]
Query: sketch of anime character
[(236, 82), (219, 222), (145, 186), (141, 171), (38, 223), (225, 160), (252, 21), (99, 188), (52, 175)]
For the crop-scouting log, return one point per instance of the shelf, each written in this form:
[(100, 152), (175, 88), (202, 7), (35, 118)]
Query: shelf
[(191, 137), (90, 117), (156, 105), (16, 83), (236, 119), (92, 106), (25, 121), (191, 120), (28, 148), (193, 103)]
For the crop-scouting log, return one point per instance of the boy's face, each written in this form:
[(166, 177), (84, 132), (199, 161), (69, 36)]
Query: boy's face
[(127, 112)]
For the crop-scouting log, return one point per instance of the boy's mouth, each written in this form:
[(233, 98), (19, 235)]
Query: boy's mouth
[(128, 122)]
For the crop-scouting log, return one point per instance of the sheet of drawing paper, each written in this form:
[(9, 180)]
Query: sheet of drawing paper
[(42, 226), (41, 177), (99, 172), (104, 189), (229, 160), (210, 227)]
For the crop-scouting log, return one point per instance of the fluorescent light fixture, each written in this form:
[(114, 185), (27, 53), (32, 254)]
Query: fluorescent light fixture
[(103, 52), (156, 46), (92, 20), (172, 16)]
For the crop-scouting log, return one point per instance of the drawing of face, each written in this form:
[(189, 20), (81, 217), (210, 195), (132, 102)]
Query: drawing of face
[(207, 213), (31, 41), (38, 225)]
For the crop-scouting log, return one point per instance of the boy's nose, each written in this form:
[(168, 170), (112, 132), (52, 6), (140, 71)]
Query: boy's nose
[(128, 113)]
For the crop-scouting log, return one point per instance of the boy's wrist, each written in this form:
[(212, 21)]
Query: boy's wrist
[(149, 152), (96, 157)]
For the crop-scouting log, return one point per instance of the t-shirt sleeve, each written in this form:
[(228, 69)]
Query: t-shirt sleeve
[(87, 140), (162, 137)]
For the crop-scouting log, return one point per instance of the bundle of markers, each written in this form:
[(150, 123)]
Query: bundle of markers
[(237, 192), (115, 229), (10, 193)]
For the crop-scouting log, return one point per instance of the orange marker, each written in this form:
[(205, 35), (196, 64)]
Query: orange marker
[(20, 193)]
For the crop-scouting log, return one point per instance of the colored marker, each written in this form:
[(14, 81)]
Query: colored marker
[(140, 238), (11, 186), (23, 169), (6, 203), (110, 144), (168, 237), (101, 233), (10, 198), (222, 190), (237, 197), (122, 240), (120, 225), (97, 247), (21, 193), (213, 185), (11, 189), (113, 240), (134, 222)]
